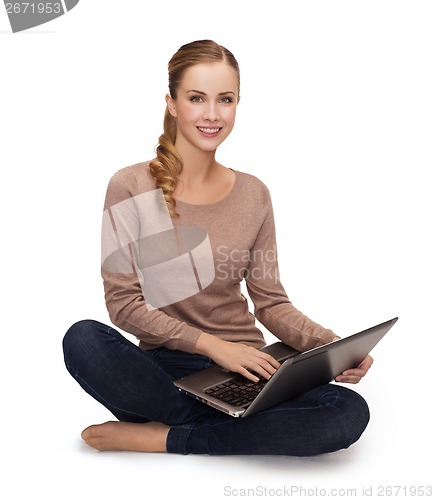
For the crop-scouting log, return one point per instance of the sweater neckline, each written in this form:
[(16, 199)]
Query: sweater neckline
[(211, 206)]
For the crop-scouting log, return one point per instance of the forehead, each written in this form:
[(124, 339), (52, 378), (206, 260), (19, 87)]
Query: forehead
[(210, 78)]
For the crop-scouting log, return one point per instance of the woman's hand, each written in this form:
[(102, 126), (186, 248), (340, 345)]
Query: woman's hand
[(237, 357), (354, 375)]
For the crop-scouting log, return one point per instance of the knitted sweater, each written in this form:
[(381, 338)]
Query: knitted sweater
[(168, 279)]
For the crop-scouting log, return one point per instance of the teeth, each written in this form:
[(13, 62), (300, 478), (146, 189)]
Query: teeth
[(208, 130)]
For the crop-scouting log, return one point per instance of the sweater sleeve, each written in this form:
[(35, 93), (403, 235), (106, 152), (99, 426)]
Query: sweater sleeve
[(271, 304), (126, 305)]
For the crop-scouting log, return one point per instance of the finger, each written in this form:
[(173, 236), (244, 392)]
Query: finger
[(352, 376), (270, 360), (349, 379), (354, 373), (366, 363), (248, 374), (262, 371), (254, 368), (259, 363), (266, 366), (362, 369)]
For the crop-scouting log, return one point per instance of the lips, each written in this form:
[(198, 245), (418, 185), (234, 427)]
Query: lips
[(209, 131)]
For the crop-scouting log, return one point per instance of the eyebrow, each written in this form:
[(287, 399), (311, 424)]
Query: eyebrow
[(204, 93)]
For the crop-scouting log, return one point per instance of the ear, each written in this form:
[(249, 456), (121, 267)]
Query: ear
[(171, 105)]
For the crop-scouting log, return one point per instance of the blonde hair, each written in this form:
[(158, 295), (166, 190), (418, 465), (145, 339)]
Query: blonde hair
[(167, 166)]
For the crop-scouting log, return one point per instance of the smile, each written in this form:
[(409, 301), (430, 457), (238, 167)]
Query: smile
[(209, 130)]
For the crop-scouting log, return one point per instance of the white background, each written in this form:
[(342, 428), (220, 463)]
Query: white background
[(336, 117)]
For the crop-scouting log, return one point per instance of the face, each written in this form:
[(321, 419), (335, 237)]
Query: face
[(205, 106)]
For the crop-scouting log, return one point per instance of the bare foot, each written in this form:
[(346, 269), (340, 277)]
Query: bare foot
[(127, 436)]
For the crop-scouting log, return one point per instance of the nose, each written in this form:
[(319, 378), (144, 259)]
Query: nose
[(211, 112)]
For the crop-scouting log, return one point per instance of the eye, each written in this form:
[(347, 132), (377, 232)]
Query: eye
[(196, 98), (227, 100)]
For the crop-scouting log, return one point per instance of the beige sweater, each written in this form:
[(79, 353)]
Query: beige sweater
[(174, 278)]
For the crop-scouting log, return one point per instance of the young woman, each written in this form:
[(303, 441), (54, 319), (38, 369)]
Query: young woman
[(180, 233)]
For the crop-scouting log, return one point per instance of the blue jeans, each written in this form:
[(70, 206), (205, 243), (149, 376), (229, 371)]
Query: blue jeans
[(136, 386)]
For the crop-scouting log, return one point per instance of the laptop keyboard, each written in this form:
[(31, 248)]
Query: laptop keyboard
[(238, 392)]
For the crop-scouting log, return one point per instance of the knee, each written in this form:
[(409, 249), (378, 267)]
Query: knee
[(78, 332), (360, 411), (345, 417), (78, 340), (354, 418)]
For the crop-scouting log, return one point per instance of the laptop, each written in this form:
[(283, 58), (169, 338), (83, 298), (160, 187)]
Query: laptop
[(299, 372)]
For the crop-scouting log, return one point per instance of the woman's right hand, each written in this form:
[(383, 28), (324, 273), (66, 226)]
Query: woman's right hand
[(237, 357)]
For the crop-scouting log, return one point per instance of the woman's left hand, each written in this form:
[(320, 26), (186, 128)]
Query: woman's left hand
[(354, 375)]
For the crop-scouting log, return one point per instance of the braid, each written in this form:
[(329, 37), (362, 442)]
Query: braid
[(167, 167)]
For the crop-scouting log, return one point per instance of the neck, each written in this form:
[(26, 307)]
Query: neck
[(197, 165)]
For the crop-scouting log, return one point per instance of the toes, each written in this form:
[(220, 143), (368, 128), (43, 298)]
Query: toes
[(97, 443), (94, 440), (94, 434)]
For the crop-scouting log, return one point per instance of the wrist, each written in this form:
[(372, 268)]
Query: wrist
[(206, 344)]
